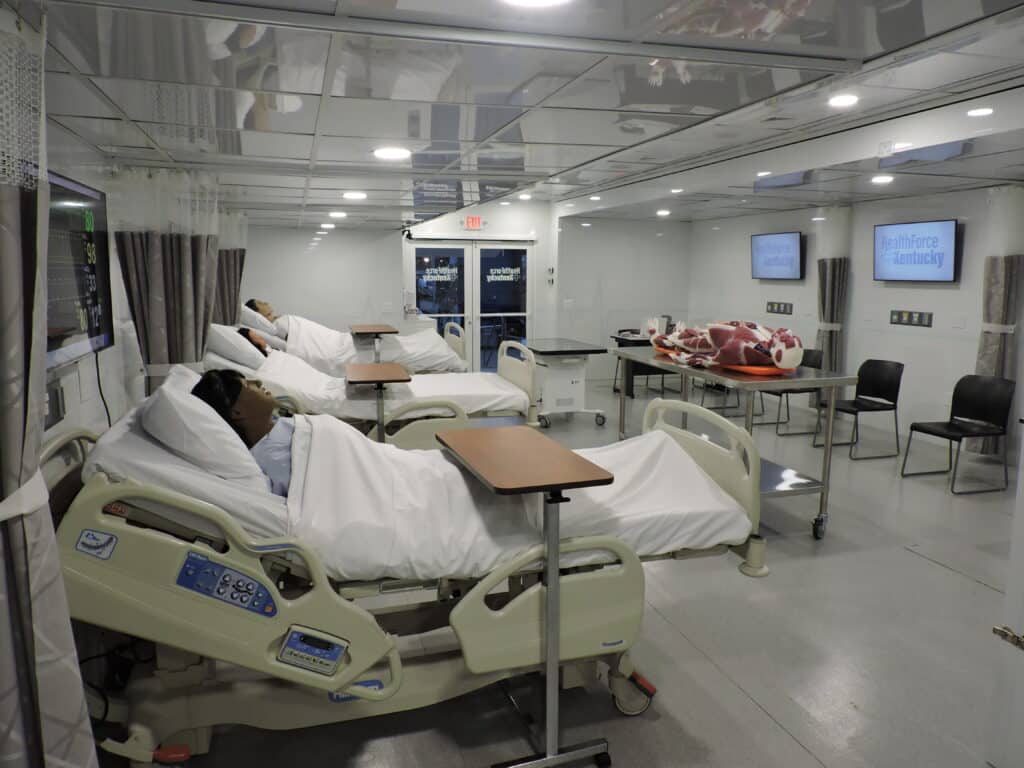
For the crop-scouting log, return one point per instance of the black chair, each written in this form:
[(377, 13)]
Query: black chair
[(813, 358), (981, 408), (878, 391)]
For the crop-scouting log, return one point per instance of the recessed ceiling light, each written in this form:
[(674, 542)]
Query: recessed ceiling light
[(328, 226), (660, 234), (322, 232), (536, 3), (843, 100), (716, 228), (762, 174), (595, 197), (883, 179), (899, 146), (980, 112), (72, 204), (570, 205), (818, 218), (504, 202), (676, 191), (556, 181), (526, 196), (316, 239), (337, 214), (664, 212), (743, 201), (391, 153), (354, 195), (585, 224)]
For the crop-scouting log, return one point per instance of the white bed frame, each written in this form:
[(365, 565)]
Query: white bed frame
[(218, 664), (455, 337)]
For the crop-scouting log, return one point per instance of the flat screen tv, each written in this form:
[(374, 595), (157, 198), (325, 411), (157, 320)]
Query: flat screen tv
[(79, 319), (923, 252), (778, 256)]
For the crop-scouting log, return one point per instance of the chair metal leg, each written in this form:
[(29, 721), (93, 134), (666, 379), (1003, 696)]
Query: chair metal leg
[(817, 429), (946, 471), (789, 433), (615, 376), (1006, 473), (856, 423)]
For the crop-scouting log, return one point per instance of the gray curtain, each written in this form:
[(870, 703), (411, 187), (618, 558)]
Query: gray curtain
[(171, 282), (230, 264), (999, 308), (43, 716), (833, 280)]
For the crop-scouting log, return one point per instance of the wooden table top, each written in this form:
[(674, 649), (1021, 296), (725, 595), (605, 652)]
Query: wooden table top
[(372, 329), (376, 373), (514, 460)]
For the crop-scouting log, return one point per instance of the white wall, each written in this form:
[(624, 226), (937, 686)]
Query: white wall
[(616, 274), (721, 288), (352, 276)]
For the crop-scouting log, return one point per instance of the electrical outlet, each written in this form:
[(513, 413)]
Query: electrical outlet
[(910, 317), (779, 308), (55, 407)]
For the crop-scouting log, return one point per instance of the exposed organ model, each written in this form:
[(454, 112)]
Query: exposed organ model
[(730, 343)]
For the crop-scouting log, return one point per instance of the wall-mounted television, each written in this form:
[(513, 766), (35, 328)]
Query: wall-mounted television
[(79, 318), (777, 256), (923, 251)]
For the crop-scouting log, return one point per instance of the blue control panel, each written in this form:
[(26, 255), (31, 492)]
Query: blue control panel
[(208, 577), (311, 650)]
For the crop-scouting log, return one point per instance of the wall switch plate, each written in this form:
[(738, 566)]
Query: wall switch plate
[(55, 407), (909, 317), (960, 322), (780, 308)]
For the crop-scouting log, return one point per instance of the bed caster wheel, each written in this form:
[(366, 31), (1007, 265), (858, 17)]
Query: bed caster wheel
[(600, 419), (818, 529), (603, 760), (544, 422), (632, 696)]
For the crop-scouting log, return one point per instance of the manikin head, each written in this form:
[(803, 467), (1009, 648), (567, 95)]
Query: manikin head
[(241, 402), (263, 307), (255, 339)]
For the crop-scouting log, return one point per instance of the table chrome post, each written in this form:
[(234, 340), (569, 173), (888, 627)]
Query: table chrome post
[(627, 372), (826, 460), (684, 395), (376, 348), (380, 412), (748, 416), (552, 649)]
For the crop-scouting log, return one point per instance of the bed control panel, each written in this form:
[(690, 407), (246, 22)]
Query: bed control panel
[(312, 650), (208, 577)]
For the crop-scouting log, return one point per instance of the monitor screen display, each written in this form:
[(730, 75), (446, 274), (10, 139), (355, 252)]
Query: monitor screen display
[(777, 256), (921, 252), (79, 320)]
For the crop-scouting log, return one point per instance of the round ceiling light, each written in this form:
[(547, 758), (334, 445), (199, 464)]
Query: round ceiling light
[(526, 196), (676, 191), (536, 4), (883, 179), (328, 226), (980, 112), (322, 232), (595, 197), (505, 202), (843, 100), (337, 214), (762, 174), (585, 224), (354, 195), (664, 212), (392, 153)]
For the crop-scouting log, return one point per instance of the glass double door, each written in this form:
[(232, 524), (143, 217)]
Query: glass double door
[(484, 287)]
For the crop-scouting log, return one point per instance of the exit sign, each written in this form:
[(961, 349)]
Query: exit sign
[(473, 222)]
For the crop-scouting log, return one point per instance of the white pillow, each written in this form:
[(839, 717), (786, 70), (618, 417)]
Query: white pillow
[(253, 319), (275, 342), (193, 430), (228, 342), (182, 378)]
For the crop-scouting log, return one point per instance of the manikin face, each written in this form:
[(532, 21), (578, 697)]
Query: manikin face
[(253, 410), (265, 309), (259, 341)]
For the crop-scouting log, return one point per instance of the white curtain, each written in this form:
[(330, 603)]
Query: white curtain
[(43, 717)]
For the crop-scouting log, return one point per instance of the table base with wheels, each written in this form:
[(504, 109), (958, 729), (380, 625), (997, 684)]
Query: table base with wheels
[(377, 374), (562, 378)]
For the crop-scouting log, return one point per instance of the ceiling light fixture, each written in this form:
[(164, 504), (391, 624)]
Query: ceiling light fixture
[(843, 100), (537, 4), (316, 239), (716, 228), (337, 214), (664, 212), (354, 195), (585, 224), (72, 204), (526, 196), (322, 232), (818, 218), (392, 153), (328, 226), (570, 205), (595, 198), (762, 174), (980, 112), (899, 146), (504, 202), (883, 179)]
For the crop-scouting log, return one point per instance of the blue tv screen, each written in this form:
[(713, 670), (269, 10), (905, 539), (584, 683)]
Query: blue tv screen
[(924, 252), (777, 256)]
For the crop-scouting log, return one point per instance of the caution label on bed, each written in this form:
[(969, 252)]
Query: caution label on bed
[(96, 543), (340, 698)]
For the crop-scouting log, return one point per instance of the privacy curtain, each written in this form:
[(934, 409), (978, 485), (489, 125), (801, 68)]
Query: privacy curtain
[(833, 280), (166, 239), (230, 263), (43, 717), (1000, 289)]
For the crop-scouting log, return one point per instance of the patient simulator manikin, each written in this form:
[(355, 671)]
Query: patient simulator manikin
[(263, 307)]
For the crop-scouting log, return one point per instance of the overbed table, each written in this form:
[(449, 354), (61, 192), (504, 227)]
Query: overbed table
[(562, 365), (518, 460), (776, 480), (377, 374), (376, 330)]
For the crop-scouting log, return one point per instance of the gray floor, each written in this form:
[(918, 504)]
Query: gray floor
[(870, 648)]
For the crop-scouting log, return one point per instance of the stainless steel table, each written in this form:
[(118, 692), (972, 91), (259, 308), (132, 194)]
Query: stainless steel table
[(776, 480)]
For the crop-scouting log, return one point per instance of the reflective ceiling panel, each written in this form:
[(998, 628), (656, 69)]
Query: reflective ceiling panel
[(186, 142), (179, 49), (419, 70), (68, 95), (385, 119), (105, 132), (208, 107), (564, 126), (643, 84), (325, 7), (341, 184), (425, 154), (497, 156)]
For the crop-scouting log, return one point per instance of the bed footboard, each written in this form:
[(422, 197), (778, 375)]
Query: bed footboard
[(518, 365), (735, 466), (456, 339)]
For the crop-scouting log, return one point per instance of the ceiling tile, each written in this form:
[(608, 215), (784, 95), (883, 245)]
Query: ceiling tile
[(413, 120), (497, 156), (591, 126), (339, 184), (68, 95), (425, 154), (189, 141), (112, 132), (939, 71)]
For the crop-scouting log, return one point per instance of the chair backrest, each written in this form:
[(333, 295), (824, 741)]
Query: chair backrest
[(983, 398), (880, 379), (628, 330), (813, 358)]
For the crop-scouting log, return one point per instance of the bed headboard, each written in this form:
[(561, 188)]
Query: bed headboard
[(61, 461), (517, 364), (456, 339), (736, 466)]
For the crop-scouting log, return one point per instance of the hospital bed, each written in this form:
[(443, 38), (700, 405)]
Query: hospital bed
[(455, 337), (289, 646), (511, 391)]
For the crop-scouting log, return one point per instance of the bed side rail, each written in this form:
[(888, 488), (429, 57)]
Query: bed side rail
[(421, 433), (455, 337), (518, 365), (601, 610), (154, 584), (82, 439)]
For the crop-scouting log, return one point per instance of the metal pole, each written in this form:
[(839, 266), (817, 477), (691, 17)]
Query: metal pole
[(627, 373), (376, 349), (826, 459), (684, 395), (748, 417), (552, 651), (380, 412)]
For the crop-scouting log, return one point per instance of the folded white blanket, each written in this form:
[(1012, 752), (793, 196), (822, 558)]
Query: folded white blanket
[(371, 510)]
